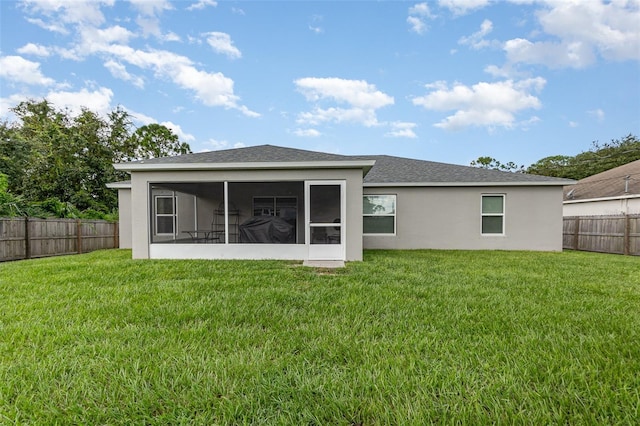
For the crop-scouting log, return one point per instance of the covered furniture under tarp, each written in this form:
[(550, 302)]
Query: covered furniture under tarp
[(267, 229)]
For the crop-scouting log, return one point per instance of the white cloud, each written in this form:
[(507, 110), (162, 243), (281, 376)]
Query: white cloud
[(314, 26), (85, 12), (34, 49), (20, 70), (212, 89), (111, 44), (171, 36), (216, 145), (358, 93), (598, 114), (53, 27), (98, 101), (420, 9), (401, 129), (148, 19), (417, 25), (611, 27), (554, 55), (149, 26), (94, 40), (151, 7), (175, 128), (462, 7), (476, 40), (7, 103), (501, 72), (417, 15), (307, 133), (120, 71), (222, 43), (201, 4), (577, 32), (573, 124), (362, 99), (483, 104)]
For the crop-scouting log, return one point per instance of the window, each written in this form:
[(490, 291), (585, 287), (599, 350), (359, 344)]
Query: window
[(379, 214), (493, 214), (285, 207), (165, 214)]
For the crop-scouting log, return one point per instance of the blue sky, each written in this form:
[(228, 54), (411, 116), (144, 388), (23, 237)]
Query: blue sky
[(440, 80)]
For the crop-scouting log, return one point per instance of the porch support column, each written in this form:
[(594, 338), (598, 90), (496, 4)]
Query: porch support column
[(226, 212)]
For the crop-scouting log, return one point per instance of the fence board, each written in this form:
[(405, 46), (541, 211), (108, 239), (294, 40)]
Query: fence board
[(23, 238), (606, 234)]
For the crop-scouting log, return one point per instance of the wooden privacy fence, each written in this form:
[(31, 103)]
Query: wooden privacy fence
[(606, 234), (26, 238)]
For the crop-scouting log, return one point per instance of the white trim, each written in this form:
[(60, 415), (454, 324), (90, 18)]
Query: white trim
[(195, 212), (591, 200), (454, 184), (225, 190), (174, 215), (228, 251), (142, 166), (503, 215), (119, 185), (325, 251), (394, 215)]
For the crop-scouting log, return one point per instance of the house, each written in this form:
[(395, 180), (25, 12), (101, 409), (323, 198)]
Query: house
[(612, 192), (283, 203)]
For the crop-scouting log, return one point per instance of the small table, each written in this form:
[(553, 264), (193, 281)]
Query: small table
[(205, 235)]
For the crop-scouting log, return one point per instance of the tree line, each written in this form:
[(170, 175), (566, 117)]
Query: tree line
[(599, 158), (55, 163)]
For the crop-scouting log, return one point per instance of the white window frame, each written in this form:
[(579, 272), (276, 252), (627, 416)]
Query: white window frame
[(173, 215), (503, 215), (394, 215)]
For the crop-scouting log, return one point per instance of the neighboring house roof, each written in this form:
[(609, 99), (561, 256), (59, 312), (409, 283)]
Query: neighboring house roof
[(380, 170), (608, 184)]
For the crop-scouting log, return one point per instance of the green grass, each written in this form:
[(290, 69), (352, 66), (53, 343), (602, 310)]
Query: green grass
[(406, 337)]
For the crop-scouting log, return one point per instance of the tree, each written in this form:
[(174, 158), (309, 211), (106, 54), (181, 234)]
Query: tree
[(493, 164), (153, 141), (596, 160), (555, 165), (59, 162)]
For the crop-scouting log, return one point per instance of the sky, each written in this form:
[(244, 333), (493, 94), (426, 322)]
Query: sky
[(447, 80)]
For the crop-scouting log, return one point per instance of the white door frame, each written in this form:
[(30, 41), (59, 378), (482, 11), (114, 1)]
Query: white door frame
[(326, 251)]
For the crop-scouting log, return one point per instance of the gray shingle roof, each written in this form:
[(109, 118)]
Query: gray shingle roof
[(610, 183), (252, 154), (387, 169), (390, 169)]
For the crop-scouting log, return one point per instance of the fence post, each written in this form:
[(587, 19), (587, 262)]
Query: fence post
[(627, 235), (79, 235), (116, 235), (576, 233), (27, 239)]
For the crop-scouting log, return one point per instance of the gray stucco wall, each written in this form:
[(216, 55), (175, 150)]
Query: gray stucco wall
[(450, 218), (141, 210), (124, 218)]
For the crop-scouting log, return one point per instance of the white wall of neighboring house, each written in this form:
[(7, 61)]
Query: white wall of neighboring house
[(602, 206)]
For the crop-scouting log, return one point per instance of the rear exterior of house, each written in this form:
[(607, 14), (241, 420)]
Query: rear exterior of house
[(270, 202)]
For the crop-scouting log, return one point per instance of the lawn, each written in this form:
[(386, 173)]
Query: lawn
[(405, 337)]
